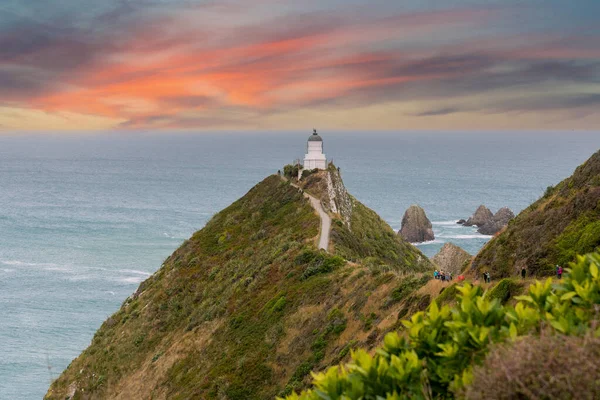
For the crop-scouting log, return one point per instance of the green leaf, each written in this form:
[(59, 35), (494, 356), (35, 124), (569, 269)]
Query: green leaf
[(513, 331), (568, 296), (594, 270)]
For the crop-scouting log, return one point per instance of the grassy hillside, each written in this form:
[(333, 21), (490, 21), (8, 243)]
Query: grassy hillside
[(371, 241), (563, 223), (477, 348), (247, 307)]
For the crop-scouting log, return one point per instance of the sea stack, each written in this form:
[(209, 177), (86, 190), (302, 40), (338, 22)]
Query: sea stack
[(416, 228), (481, 216), (498, 221), (452, 258)]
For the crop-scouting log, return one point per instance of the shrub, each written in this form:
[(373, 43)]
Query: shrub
[(318, 263), (442, 345), (549, 367), (504, 290), (290, 171)]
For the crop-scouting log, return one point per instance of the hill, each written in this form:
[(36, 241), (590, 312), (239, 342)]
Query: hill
[(248, 306), (561, 224)]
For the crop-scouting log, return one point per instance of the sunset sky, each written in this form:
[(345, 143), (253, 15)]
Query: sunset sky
[(266, 64)]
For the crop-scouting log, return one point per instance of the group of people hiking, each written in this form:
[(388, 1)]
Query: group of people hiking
[(441, 275)]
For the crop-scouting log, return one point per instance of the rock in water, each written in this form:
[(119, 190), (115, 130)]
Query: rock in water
[(499, 221), (481, 216), (503, 215), (452, 258), (416, 228)]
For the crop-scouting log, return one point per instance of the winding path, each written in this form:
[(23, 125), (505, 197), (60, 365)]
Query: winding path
[(325, 218)]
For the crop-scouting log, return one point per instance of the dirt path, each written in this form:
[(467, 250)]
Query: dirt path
[(325, 218)]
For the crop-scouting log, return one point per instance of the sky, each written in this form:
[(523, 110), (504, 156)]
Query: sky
[(290, 65)]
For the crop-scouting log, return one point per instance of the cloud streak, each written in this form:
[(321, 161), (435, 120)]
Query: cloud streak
[(204, 65)]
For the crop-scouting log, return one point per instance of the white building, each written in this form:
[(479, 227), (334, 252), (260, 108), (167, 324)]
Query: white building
[(314, 157)]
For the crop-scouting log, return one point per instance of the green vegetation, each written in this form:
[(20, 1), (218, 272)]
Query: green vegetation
[(406, 287), (563, 223), (506, 289), (370, 237), (244, 309), (291, 171), (447, 295), (441, 347)]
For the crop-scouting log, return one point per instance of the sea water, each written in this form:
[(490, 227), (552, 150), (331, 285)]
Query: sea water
[(84, 218)]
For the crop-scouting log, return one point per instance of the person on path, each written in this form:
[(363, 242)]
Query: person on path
[(559, 271), (435, 274), (523, 272)]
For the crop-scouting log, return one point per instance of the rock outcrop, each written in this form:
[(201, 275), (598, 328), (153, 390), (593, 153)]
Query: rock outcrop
[(452, 258), (416, 228), (339, 199), (481, 217), (498, 221)]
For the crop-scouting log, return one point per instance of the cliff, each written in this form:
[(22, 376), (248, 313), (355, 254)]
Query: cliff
[(561, 224), (416, 227), (247, 307)]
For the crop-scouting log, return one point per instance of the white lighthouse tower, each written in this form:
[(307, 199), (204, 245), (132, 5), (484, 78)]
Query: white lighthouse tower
[(314, 157)]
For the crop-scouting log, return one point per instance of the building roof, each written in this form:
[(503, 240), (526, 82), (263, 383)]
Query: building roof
[(315, 137)]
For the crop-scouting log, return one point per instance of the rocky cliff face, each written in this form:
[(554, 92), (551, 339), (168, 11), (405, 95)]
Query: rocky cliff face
[(497, 223), (337, 200), (452, 258), (328, 186), (561, 224), (416, 227), (481, 216)]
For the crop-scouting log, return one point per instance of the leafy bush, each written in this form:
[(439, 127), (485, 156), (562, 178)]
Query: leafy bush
[(548, 367), (441, 345), (318, 263), (504, 290), (291, 171)]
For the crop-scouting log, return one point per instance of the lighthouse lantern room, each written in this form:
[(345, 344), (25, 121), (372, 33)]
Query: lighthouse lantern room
[(314, 157)]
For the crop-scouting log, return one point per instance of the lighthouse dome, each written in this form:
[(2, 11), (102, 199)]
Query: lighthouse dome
[(315, 137)]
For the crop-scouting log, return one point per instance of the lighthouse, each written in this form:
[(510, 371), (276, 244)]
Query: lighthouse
[(314, 157)]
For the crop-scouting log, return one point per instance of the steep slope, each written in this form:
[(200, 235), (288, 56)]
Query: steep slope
[(358, 234), (563, 223), (247, 307)]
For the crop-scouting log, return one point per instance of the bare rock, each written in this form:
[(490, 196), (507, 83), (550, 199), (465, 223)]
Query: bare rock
[(416, 228), (452, 258), (498, 221), (481, 216)]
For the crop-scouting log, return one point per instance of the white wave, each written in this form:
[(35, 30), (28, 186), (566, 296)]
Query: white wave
[(110, 292), (428, 242), (453, 222), (131, 279), (477, 236), (135, 271), (26, 264), (8, 270)]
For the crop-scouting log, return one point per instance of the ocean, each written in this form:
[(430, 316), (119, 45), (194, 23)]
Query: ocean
[(84, 218)]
